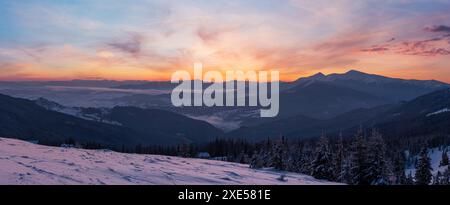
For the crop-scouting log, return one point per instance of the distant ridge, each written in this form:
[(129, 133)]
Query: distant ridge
[(50, 122), (425, 115)]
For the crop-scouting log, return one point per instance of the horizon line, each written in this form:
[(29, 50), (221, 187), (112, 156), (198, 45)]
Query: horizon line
[(168, 80)]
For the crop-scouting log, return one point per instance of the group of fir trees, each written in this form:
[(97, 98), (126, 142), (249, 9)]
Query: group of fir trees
[(362, 160)]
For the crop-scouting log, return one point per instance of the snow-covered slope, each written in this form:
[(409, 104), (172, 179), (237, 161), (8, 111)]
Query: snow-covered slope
[(434, 154), (439, 112), (26, 163)]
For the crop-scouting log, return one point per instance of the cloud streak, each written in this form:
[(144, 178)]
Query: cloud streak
[(434, 46), (439, 28), (131, 45)]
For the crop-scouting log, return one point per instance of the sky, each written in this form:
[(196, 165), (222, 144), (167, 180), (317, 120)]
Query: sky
[(151, 39)]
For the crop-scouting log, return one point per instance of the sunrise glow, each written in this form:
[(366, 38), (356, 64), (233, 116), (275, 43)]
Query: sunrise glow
[(149, 40)]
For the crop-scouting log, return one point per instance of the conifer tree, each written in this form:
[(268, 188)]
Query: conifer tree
[(446, 177), (346, 174), (359, 160), (339, 160), (304, 161), (322, 166), (399, 169), (444, 159), (437, 179), (256, 161), (293, 155), (423, 169), (276, 160), (378, 170)]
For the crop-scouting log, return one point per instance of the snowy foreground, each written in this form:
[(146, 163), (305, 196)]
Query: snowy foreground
[(26, 163)]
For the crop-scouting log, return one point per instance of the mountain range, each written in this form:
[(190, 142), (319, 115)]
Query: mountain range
[(425, 115), (310, 106), (318, 96), (326, 96)]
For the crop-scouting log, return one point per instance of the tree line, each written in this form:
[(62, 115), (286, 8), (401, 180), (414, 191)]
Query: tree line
[(366, 158), (363, 159)]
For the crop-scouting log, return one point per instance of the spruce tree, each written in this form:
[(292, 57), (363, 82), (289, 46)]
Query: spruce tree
[(304, 161), (437, 179), (346, 174), (444, 160), (339, 160), (256, 162), (399, 164), (378, 171), (266, 153), (446, 177), (322, 166), (423, 169), (359, 160), (286, 156), (307, 158), (276, 160), (294, 159)]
